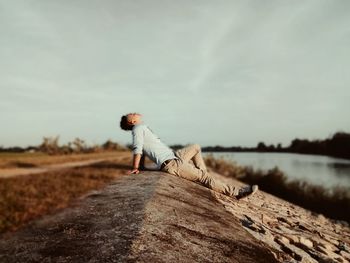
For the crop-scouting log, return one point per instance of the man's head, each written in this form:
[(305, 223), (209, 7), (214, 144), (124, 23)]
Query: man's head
[(129, 120)]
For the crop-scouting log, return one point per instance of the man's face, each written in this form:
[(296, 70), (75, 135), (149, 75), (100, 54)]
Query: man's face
[(133, 118)]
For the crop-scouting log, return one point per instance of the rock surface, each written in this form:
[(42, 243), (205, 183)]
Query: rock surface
[(157, 217), (297, 234), (151, 217)]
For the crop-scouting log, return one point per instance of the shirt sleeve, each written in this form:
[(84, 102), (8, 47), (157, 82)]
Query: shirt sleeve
[(137, 140)]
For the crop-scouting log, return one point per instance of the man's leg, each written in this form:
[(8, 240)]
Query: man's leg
[(187, 171), (192, 152)]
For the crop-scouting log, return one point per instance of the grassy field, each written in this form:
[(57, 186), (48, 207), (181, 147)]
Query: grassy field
[(28, 160), (24, 198)]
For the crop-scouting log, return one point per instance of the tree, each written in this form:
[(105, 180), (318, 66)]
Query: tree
[(279, 147), (79, 145), (50, 145), (261, 146)]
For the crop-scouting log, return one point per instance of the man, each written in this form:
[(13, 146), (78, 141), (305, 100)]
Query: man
[(175, 163)]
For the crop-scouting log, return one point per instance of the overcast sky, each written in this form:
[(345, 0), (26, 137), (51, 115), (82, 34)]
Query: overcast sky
[(207, 72)]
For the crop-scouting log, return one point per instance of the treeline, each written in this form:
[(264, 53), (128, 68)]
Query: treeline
[(337, 145), (50, 145)]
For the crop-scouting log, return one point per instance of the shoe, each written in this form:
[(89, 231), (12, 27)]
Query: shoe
[(247, 191)]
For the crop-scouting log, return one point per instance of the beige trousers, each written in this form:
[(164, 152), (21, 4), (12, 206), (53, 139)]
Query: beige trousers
[(196, 172)]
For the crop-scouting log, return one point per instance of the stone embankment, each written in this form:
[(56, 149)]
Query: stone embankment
[(156, 217)]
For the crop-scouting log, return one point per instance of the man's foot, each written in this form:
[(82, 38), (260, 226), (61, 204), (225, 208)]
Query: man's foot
[(247, 191)]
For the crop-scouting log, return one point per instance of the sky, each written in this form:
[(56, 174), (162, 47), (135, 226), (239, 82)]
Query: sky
[(208, 72)]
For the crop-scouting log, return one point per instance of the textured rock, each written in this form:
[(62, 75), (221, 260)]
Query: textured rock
[(297, 253), (290, 229), (151, 217), (305, 242)]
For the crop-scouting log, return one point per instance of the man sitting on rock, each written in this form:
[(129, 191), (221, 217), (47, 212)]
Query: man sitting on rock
[(175, 163)]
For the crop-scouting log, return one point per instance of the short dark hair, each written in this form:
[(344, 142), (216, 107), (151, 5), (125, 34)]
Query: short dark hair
[(124, 125)]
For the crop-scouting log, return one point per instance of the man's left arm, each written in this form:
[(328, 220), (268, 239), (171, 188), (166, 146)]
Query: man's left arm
[(137, 138), (135, 164), (142, 166)]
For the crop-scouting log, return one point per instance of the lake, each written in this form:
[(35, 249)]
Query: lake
[(315, 169)]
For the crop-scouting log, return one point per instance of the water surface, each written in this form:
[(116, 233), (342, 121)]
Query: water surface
[(315, 169)]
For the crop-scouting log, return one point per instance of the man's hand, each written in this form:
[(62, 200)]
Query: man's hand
[(133, 171), (135, 163)]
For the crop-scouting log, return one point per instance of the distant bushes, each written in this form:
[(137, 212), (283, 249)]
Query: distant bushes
[(334, 203), (338, 145), (50, 146)]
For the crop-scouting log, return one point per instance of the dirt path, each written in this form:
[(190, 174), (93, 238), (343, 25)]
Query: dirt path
[(4, 173)]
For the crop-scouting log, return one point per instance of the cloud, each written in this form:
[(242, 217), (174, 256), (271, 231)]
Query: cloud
[(235, 64)]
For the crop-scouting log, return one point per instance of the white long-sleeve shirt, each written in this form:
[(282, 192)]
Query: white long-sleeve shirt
[(144, 140)]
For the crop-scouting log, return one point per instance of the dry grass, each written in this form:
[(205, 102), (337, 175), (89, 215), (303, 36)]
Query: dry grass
[(24, 198), (28, 160), (334, 203)]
